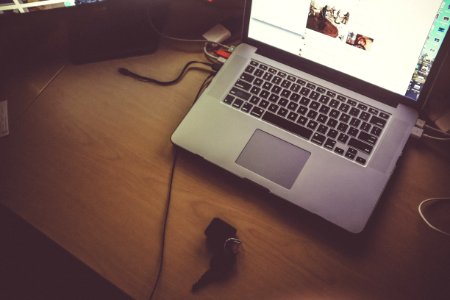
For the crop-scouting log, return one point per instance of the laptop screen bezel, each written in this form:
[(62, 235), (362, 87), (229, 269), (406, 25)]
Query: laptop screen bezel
[(342, 79)]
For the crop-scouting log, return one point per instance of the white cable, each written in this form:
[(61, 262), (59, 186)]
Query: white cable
[(209, 55), (426, 220), (161, 34), (436, 138), (437, 130)]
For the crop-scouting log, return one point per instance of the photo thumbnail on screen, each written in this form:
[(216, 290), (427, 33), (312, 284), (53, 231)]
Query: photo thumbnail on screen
[(25, 6)]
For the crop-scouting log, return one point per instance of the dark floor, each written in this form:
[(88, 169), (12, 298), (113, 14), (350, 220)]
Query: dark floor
[(34, 267)]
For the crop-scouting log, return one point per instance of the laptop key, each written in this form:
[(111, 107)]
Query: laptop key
[(365, 126), (273, 107), (295, 88), (360, 160), (250, 69), (274, 98), (334, 103), (353, 131), (350, 154), (322, 129), (376, 131), (294, 97), (263, 67), (384, 115), (247, 77), (339, 151), (305, 91), (362, 106), (318, 139), (314, 95), (364, 116), (301, 82), (373, 111), (343, 138), (355, 122), (321, 90), (264, 94), (243, 85), (291, 78), (302, 120), (292, 105), (254, 99), (276, 89), (331, 94), (304, 101), (354, 112), (282, 112), (264, 104), (322, 118), (287, 125), (246, 107), (276, 80), (344, 107), (312, 114), (240, 93), (332, 133), (334, 113), (258, 73), (312, 124), (283, 102), (257, 112), (342, 127), (324, 109), (228, 99), (351, 102), (314, 105), (292, 116), (255, 90), (324, 99), (237, 103), (258, 82), (365, 137), (378, 121), (329, 144), (302, 110), (267, 76), (286, 93), (366, 148), (332, 122), (286, 84)]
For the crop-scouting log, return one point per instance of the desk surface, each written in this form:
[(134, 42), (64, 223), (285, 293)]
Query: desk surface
[(88, 162)]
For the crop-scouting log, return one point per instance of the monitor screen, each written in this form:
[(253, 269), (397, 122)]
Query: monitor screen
[(391, 44), (25, 6)]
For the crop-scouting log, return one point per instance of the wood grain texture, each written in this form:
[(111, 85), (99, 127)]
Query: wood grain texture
[(89, 162)]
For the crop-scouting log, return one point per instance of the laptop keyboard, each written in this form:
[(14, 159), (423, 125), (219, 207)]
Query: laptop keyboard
[(326, 118)]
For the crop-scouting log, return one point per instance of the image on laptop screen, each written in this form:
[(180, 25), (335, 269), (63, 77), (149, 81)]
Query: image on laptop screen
[(391, 44), (24, 6)]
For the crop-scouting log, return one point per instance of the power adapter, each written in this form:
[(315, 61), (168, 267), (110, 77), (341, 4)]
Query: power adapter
[(217, 34)]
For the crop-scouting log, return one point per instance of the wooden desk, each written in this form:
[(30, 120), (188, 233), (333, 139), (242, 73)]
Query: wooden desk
[(88, 161)]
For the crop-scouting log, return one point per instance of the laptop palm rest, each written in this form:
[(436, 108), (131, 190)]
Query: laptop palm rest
[(273, 158)]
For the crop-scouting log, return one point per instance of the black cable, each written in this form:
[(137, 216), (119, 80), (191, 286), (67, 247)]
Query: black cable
[(204, 85), (169, 198), (186, 68), (164, 229)]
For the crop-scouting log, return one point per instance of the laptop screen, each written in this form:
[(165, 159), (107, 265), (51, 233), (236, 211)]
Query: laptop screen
[(391, 44)]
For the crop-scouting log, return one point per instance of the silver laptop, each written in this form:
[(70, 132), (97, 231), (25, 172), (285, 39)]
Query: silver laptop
[(318, 102)]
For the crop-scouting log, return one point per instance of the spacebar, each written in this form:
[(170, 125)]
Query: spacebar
[(287, 125)]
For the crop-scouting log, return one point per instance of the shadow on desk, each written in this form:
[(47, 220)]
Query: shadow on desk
[(34, 267)]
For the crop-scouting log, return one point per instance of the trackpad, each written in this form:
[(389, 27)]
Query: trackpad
[(273, 158)]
